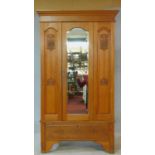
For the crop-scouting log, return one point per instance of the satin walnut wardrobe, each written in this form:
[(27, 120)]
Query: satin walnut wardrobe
[(77, 77)]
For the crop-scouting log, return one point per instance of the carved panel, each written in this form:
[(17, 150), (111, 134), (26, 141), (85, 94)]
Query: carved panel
[(50, 81), (104, 41), (51, 70), (104, 38), (102, 71), (50, 39), (103, 81)]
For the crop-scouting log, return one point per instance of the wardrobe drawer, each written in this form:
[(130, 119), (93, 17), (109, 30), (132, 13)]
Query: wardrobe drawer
[(77, 132)]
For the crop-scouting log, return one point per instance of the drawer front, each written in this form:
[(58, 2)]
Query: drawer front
[(77, 132)]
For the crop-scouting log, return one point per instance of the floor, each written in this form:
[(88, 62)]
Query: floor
[(76, 148), (76, 105)]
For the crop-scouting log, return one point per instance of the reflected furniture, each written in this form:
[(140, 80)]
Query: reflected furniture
[(57, 123)]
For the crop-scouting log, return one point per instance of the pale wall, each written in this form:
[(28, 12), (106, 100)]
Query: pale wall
[(76, 4)]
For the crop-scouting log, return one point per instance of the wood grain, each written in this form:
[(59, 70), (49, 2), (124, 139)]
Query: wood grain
[(103, 71), (78, 131), (51, 72), (84, 15), (56, 123)]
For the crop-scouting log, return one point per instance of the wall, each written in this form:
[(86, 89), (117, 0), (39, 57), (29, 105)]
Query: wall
[(76, 4), (118, 73), (36, 70), (81, 4)]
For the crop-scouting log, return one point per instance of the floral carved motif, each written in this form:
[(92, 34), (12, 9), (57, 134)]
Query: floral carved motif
[(103, 81), (50, 41), (50, 81), (104, 41)]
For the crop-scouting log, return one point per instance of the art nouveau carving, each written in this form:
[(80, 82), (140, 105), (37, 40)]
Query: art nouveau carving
[(50, 39), (103, 81), (50, 81), (104, 38)]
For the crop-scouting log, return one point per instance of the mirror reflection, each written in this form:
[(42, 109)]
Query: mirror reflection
[(77, 70)]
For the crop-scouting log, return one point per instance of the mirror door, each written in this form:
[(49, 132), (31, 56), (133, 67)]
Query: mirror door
[(77, 71)]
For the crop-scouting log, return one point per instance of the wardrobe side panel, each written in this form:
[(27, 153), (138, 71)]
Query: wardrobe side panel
[(51, 71), (103, 71)]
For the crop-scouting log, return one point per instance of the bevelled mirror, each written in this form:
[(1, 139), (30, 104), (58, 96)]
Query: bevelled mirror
[(77, 71)]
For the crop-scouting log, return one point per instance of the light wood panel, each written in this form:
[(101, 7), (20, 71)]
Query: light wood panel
[(78, 131), (103, 71), (88, 26), (51, 71), (84, 15)]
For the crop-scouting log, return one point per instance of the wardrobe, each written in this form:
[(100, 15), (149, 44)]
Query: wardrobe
[(77, 77)]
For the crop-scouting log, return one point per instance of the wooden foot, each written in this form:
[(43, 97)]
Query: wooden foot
[(47, 146), (108, 147)]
